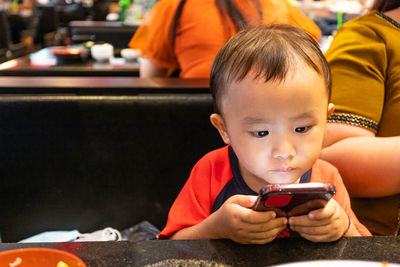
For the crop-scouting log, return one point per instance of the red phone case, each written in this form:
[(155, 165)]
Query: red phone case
[(285, 198)]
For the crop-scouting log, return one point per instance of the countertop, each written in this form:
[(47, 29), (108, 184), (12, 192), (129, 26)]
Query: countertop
[(225, 252)]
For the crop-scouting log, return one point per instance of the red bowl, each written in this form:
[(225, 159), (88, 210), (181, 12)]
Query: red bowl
[(39, 257), (69, 52)]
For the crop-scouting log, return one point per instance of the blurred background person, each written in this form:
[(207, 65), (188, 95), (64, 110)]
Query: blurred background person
[(363, 136), (27, 35), (185, 35), (23, 21)]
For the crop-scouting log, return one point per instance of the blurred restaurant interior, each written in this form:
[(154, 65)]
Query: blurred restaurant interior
[(86, 144), (29, 26)]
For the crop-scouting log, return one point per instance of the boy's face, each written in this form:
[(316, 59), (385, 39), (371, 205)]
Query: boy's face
[(276, 129)]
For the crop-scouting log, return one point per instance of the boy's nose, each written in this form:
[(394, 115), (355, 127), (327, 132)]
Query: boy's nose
[(283, 149)]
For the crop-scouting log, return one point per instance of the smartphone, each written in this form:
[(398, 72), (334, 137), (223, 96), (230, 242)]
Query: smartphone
[(290, 199)]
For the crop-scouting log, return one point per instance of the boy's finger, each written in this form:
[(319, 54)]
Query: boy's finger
[(257, 217), (268, 226), (323, 213), (265, 236), (319, 230), (243, 200), (306, 221)]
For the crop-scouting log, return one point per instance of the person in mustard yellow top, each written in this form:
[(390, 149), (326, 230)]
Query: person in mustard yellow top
[(363, 136), (186, 35)]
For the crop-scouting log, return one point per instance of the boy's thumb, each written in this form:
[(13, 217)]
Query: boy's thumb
[(243, 200)]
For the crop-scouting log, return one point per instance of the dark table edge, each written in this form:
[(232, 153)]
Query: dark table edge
[(101, 85)]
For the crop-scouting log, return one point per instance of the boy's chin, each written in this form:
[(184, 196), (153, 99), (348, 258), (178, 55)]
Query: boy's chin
[(283, 179)]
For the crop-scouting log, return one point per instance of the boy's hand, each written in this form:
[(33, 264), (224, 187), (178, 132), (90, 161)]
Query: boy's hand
[(238, 222), (321, 225)]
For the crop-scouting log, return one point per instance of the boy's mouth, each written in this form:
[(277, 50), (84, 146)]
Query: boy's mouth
[(284, 169)]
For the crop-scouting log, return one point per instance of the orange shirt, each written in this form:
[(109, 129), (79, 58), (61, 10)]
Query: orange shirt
[(202, 32)]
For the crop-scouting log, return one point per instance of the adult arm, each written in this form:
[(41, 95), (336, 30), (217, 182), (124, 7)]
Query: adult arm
[(153, 40), (149, 69), (369, 165)]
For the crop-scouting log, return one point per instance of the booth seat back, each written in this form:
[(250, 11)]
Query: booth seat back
[(89, 162)]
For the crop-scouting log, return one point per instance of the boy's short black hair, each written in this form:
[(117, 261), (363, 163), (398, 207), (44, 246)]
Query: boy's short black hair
[(271, 51)]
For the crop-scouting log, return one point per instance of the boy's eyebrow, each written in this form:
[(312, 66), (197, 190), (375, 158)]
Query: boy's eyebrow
[(253, 120), (304, 115)]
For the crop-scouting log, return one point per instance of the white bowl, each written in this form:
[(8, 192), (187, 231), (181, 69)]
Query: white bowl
[(130, 54), (102, 52)]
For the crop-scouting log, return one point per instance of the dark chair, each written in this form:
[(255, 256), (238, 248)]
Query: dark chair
[(5, 35), (3, 54), (88, 162), (8, 49), (70, 12), (47, 26), (113, 32)]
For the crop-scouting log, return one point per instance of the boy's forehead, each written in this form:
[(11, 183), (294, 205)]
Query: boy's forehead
[(256, 77), (303, 76)]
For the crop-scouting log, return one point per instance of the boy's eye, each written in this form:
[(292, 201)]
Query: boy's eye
[(302, 129), (261, 133)]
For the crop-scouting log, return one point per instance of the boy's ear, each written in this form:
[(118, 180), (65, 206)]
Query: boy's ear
[(331, 109), (218, 122)]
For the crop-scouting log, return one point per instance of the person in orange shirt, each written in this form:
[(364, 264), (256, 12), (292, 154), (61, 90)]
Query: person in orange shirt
[(186, 35)]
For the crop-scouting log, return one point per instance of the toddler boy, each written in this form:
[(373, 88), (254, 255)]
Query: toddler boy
[(271, 88)]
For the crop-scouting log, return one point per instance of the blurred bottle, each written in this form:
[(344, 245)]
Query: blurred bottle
[(138, 10), (124, 9), (14, 6)]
